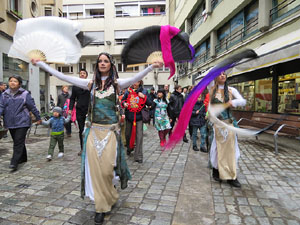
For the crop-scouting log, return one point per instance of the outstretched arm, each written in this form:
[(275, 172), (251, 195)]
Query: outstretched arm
[(126, 82), (82, 83)]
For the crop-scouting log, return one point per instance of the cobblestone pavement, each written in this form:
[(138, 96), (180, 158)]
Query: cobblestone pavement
[(173, 187)]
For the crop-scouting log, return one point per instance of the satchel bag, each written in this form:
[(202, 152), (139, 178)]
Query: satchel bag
[(145, 115)]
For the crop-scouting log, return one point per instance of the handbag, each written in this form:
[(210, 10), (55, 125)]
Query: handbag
[(145, 115)]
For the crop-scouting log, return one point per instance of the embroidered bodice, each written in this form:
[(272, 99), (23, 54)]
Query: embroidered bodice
[(104, 109)]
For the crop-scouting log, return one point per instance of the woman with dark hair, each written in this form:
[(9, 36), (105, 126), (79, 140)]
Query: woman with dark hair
[(224, 150), (103, 158), (15, 105), (162, 122)]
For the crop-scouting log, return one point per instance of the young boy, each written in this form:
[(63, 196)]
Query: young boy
[(198, 122), (56, 123)]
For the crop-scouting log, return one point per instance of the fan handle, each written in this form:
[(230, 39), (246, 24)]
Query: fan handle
[(138, 64)]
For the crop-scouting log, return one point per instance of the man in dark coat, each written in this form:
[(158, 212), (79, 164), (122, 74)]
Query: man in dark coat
[(198, 122), (175, 105), (82, 99)]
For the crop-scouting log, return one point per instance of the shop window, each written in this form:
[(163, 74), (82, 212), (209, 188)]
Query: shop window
[(263, 95), (246, 89), (289, 94), (258, 95)]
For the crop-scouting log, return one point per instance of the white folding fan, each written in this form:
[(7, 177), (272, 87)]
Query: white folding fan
[(51, 39)]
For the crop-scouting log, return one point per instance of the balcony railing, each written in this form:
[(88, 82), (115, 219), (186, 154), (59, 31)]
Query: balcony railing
[(182, 69), (279, 9), (197, 23), (201, 58), (79, 17), (238, 36)]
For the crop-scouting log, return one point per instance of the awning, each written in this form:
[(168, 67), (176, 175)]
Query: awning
[(281, 50)]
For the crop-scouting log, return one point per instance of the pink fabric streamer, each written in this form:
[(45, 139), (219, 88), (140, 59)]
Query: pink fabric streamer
[(166, 34), (188, 106)]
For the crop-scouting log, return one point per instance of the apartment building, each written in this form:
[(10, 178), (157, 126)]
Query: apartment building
[(111, 23), (11, 12), (220, 28)]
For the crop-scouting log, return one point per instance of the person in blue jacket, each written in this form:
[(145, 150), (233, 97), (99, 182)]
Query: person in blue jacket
[(15, 105)]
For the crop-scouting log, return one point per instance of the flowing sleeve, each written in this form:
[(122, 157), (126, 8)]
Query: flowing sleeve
[(82, 83), (238, 99), (126, 82)]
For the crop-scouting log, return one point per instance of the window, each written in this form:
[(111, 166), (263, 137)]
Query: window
[(198, 17), (97, 36), (242, 25), (65, 69), (283, 7), (126, 10), (151, 10), (251, 18), (246, 89), (48, 11), (15, 7), (289, 94), (121, 36), (202, 53), (258, 94), (81, 65)]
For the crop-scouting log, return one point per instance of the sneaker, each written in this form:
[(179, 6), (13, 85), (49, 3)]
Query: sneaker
[(61, 154), (162, 143), (49, 157)]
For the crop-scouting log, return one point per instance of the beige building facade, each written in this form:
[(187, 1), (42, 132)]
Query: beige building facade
[(34, 80), (220, 28), (111, 23)]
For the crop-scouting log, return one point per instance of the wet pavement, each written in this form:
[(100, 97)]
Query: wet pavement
[(173, 187)]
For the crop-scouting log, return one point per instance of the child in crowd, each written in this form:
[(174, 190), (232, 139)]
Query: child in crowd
[(162, 122), (56, 123), (198, 122)]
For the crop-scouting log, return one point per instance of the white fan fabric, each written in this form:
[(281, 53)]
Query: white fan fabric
[(54, 36)]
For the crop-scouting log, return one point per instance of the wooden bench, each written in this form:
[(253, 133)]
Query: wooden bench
[(277, 124)]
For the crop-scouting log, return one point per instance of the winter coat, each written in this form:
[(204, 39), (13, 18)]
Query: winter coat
[(57, 123), (16, 108), (198, 120), (82, 98), (62, 99), (130, 115), (175, 104)]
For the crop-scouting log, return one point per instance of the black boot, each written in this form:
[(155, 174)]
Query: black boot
[(99, 218), (215, 175), (195, 148), (234, 183), (185, 139), (129, 150), (203, 149)]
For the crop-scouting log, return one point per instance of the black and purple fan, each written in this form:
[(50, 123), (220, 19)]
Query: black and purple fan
[(157, 43)]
